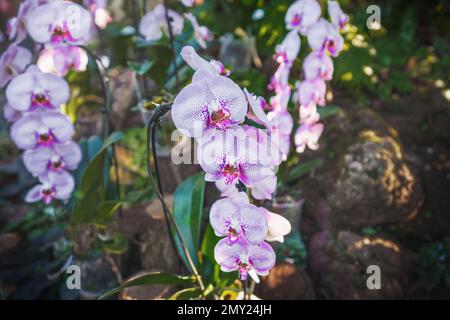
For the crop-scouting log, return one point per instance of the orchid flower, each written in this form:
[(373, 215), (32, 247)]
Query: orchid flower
[(264, 189), (188, 3), (16, 27), (281, 125), (154, 23), (58, 22), (280, 79), (44, 128), (237, 220), (312, 92), (338, 17), (37, 90), (10, 114), (318, 66), (57, 157), (281, 99), (13, 62), (208, 103), (302, 14), (213, 67), (53, 185), (278, 226), (201, 33), (308, 135), (233, 155), (100, 13), (246, 258), (288, 50), (325, 37), (60, 59), (257, 105)]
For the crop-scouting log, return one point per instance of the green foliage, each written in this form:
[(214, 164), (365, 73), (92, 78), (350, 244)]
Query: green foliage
[(434, 263), (94, 184), (187, 212), (151, 278)]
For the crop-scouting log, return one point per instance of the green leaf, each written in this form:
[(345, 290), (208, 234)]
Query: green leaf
[(140, 69), (187, 212), (94, 180), (303, 168), (151, 278), (105, 212), (328, 111), (186, 294)]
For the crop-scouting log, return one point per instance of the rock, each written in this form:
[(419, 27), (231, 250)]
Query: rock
[(144, 225), (375, 184), (365, 180), (9, 241), (286, 282), (97, 275), (339, 266)]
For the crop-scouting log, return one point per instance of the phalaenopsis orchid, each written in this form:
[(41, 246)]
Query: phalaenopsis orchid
[(303, 18), (212, 109), (34, 98)]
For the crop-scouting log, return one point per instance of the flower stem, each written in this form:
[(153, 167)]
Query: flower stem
[(151, 150)]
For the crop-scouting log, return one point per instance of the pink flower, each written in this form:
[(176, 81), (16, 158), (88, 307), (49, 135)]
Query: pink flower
[(281, 99), (201, 33), (37, 90), (209, 102), (265, 188), (59, 21), (44, 128), (188, 3), (101, 15), (318, 66), (338, 17), (257, 105), (197, 63), (280, 79), (16, 27), (13, 62), (278, 226), (302, 14), (246, 258), (325, 37), (288, 50), (10, 114), (281, 125), (58, 157), (312, 92), (60, 59), (54, 185), (308, 135), (153, 23), (235, 155), (236, 220)]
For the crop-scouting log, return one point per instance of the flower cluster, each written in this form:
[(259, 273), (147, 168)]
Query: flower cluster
[(303, 18), (34, 98), (212, 109), (154, 24)]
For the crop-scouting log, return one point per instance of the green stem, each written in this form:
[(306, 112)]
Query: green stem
[(158, 113)]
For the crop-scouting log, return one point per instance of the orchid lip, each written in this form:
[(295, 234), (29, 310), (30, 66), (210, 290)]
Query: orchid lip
[(40, 100), (296, 20), (61, 34), (48, 194), (45, 138)]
